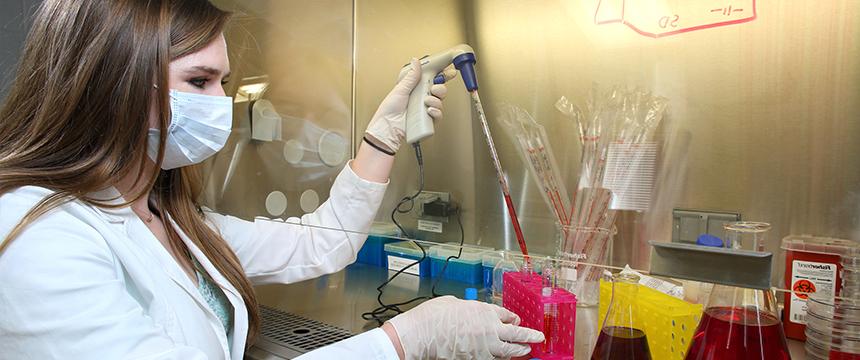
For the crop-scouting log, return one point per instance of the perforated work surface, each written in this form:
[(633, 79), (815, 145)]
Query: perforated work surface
[(296, 332)]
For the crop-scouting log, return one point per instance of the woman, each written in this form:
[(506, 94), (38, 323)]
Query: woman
[(105, 253)]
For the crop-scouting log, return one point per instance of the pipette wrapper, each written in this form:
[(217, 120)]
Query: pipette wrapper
[(619, 155), (522, 296), (533, 145), (660, 285)]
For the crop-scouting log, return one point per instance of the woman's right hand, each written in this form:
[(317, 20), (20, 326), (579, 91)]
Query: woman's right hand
[(449, 328)]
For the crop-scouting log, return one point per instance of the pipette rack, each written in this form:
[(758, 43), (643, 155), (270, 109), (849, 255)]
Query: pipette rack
[(522, 295)]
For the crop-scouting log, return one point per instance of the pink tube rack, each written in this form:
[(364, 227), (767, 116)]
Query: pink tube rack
[(524, 299)]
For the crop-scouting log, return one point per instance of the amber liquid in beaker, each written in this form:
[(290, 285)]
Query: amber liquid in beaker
[(621, 343), (738, 333)]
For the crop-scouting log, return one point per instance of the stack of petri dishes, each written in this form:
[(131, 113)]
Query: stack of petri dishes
[(833, 328), (851, 276)]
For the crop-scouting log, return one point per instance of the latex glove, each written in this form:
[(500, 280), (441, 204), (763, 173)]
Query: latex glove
[(449, 328), (387, 128)]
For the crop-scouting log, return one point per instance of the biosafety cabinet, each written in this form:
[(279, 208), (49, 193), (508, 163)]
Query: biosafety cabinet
[(757, 108), (759, 121)]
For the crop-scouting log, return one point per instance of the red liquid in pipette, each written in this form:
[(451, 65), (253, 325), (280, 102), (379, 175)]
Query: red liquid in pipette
[(513, 213), (739, 334), (497, 165)]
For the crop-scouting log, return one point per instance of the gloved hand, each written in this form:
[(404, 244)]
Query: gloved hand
[(387, 128), (449, 328)]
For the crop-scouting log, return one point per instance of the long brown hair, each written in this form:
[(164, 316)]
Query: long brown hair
[(76, 117)]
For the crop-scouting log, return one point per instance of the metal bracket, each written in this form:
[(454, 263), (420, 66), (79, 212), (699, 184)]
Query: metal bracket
[(742, 268), (688, 224)]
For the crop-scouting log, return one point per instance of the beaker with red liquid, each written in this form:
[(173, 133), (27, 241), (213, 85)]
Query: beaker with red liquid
[(740, 323), (619, 339)]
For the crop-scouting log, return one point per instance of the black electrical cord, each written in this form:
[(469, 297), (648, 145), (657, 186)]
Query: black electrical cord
[(387, 311), (459, 253), (411, 199)]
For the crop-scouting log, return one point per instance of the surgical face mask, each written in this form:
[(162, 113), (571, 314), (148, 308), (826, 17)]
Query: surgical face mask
[(199, 127)]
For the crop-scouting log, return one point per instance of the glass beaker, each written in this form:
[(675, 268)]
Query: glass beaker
[(583, 250), (619, 338), (746, 235), (505, 265)]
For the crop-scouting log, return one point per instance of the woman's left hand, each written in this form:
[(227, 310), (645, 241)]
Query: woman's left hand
[(387, 128)]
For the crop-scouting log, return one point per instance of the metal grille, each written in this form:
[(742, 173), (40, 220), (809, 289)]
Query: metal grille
[(298, 333)]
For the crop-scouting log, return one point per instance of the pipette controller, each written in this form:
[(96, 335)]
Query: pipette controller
[(419, 124)]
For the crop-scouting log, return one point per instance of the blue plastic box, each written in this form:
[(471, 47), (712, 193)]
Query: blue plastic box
[(373, 250), (467, 269), (403, 253)]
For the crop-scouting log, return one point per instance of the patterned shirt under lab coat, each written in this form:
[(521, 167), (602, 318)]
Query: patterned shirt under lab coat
[(85, 282)]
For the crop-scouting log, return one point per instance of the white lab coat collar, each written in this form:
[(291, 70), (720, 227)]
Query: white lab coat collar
[(111, 196), (125, 216), (240, 313)]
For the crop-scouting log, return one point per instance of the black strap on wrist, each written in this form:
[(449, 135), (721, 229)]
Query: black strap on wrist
[(377, 147)]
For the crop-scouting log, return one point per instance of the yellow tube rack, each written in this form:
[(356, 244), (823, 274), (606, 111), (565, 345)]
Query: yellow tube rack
[(668, 322)]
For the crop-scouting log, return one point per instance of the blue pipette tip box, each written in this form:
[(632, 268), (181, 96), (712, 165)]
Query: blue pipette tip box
[(466, 269)]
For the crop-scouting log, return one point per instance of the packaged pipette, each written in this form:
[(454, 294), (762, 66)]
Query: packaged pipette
[(663, 286)]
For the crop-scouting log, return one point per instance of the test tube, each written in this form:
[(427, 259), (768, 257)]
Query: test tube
[(550, 315), (527, 270), (548, 275)]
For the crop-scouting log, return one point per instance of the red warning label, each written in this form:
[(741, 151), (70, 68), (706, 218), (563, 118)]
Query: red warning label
[(802, 288)]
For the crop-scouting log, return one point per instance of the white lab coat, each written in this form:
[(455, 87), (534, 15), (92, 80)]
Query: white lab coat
[(85, 282)]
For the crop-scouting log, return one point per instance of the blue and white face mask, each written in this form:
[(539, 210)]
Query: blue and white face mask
[(199, 127)]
